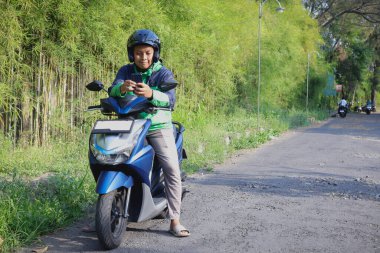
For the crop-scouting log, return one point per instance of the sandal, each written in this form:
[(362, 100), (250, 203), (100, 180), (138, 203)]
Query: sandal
[(179, 231)]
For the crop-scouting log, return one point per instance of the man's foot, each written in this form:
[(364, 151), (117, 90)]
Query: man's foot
[(179, 231)]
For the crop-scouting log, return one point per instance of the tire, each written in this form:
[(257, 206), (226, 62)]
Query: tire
[(109, 220), (368, 112)]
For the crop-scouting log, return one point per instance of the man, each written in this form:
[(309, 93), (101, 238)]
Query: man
[(144, 54)]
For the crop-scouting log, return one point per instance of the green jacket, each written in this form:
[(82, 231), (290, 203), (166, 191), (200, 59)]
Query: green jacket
[(156, 74)]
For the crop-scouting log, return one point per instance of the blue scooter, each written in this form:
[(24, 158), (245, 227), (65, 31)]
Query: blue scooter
[(129, 180)]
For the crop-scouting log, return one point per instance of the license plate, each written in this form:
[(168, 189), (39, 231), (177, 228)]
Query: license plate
[(112, 126)]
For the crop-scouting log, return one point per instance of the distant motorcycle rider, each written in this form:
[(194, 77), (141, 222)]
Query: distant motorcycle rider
[(343, 102), (369, 103), (343, 107)]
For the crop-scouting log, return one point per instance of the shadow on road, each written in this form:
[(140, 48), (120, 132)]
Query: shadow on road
[(75, 240), (300, 186)]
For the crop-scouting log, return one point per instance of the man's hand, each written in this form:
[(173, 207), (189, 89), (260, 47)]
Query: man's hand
[(141, 89), (127, 86)]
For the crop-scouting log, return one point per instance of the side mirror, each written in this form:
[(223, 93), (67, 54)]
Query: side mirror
[(167, 86), (95, 86)]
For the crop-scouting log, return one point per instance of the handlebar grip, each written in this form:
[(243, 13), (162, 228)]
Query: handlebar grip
[(94, 107), (154, 109)]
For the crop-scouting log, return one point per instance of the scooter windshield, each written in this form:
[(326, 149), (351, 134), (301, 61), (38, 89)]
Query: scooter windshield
[(127, 105)]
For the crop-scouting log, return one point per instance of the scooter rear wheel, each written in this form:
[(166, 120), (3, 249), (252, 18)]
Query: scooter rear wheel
[(110, 223)]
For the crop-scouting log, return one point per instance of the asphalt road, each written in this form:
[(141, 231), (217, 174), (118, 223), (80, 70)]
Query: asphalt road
[(314, 189)]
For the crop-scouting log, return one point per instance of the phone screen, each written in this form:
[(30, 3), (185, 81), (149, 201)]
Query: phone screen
[(136, 77)]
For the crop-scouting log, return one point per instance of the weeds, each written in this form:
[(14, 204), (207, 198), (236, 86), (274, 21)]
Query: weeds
[(28, 210), (42, 189), (212, 139)]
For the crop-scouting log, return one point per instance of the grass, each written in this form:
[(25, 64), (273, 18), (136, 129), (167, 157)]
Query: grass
[(42, 189), (211, 140), (46, 188)]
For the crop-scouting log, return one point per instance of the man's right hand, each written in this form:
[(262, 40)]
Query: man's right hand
[(127, 86)]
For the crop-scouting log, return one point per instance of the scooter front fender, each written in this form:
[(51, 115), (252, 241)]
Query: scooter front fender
[(112, 180)]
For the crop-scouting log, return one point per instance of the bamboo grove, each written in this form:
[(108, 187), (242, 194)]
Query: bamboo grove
[(49, 50)]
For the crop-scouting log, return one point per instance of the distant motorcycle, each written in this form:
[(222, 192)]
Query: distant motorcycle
[(342, 111), (367, 109)]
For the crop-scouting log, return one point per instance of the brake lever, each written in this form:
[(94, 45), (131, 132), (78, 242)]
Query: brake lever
[(155, 109)]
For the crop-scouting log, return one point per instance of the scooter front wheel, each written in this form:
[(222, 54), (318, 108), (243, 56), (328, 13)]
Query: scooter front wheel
[(110, 223)]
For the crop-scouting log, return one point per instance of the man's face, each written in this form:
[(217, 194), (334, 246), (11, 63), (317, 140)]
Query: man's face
[(143, 55)]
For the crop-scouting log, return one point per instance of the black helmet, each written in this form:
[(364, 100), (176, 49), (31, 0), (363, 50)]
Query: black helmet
[(144, 37)]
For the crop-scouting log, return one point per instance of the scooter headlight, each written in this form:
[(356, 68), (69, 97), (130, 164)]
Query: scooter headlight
[(113, 148)]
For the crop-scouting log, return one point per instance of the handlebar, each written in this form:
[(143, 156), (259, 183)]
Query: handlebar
[(148, 110), (94, 107)]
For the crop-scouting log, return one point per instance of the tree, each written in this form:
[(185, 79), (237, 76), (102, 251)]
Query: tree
[(374, 42), (50, 48), (350, 29), (330, 11)]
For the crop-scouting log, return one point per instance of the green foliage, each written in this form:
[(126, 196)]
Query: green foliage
[(52, 48), (212, 139), (42, 189), (287, 38), (29, 210), (352, 69), (351, 33)]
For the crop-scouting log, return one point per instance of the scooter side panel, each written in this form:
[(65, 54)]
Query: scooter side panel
[(179, 147), (112, 180), (149, 209), (142, 162)]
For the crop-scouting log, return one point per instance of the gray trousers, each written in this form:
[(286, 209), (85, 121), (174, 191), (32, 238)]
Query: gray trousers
[(163, 143)]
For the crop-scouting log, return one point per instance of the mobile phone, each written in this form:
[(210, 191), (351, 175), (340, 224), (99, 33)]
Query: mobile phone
[(136, 77)]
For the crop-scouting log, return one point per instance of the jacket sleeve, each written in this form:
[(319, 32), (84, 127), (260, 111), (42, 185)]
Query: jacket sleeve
[(121, 76), (165, 99)]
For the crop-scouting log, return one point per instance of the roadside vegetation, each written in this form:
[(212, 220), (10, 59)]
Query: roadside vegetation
[(49, 187), (49, 50)]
